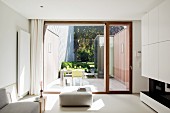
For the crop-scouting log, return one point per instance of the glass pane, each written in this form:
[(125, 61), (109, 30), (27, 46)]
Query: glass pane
[(119, 58), (74, 57)]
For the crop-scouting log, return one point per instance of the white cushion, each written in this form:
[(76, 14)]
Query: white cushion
[(75, 98)]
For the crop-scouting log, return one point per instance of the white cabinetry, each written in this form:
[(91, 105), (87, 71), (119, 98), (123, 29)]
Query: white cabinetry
[(156, 53), (153, 26), (156, 59), (153, 61), (164, 61), (164, 21), (145, 60), (145, 29)]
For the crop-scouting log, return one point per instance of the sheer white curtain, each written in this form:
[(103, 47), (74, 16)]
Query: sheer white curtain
[(36, 55)]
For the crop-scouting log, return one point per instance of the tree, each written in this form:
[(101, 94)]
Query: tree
[(84, 37)]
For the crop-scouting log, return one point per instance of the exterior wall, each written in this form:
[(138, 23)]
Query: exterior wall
[(121, 56), (51, 53), (58, 47), (99, 55), (70, 45)]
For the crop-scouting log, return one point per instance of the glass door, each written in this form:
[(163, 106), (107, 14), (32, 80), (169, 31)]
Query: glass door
[(119, 58), (102, 50), (74, 57)]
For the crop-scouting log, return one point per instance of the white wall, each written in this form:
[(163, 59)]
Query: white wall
[(10, 22), (139, 83), (51, 60), (58, 47)]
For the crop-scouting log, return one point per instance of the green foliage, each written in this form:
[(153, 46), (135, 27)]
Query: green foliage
[(84, 37), (82, 65), (66, 65), (85, 55), (90, 63), (84, 41)]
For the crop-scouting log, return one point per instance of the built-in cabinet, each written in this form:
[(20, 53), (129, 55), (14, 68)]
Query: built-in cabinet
[(153, 61), (156, 43), (164, 21), (145, 29), (153, 26), (145, 59), (156, 56), (164, 61)]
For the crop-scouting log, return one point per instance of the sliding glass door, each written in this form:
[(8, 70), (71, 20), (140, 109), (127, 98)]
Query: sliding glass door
[(74, 57), (88, 54), (119, 58)]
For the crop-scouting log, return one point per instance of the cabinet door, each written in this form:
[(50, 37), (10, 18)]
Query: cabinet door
[(145, 60), (164, 21), (145, 29), (153, 61), (164, 61), (153, 26)]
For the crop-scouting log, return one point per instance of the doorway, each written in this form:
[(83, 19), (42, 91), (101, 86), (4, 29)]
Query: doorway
[(120, 58), (75, 46)]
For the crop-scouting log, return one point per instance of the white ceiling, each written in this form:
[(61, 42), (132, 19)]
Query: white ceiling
[(83, 9)]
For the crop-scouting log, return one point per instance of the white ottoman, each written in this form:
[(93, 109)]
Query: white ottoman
[(76, 98)]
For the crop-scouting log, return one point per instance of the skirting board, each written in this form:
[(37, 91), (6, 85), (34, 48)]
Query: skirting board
[(158, 107)]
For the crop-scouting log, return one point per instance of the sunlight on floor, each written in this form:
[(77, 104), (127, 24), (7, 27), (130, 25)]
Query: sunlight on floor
[(97, 105), (102, 104), (51, 101)]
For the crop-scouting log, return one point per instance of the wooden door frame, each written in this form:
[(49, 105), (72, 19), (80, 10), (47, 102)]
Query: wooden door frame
[(106, 51), (108, 54)]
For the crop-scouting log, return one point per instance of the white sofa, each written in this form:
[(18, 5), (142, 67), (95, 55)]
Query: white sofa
[(18, 107)]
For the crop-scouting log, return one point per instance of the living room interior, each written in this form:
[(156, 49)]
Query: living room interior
[(43, 62)]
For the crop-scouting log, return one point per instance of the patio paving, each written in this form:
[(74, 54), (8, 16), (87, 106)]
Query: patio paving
[(96, 84)]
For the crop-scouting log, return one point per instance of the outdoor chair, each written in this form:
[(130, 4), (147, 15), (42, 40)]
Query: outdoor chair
[(78, 73), (68, 77)]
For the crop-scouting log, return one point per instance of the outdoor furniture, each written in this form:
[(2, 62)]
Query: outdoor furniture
[(68, 78), (71, 75), (78, 73), (76, 98), (64, 76), (90, 74)]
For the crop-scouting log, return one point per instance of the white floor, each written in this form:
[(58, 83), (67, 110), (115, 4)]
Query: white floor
[(103, 103)]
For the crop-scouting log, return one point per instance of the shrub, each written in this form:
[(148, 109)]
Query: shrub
[(83, 65)]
